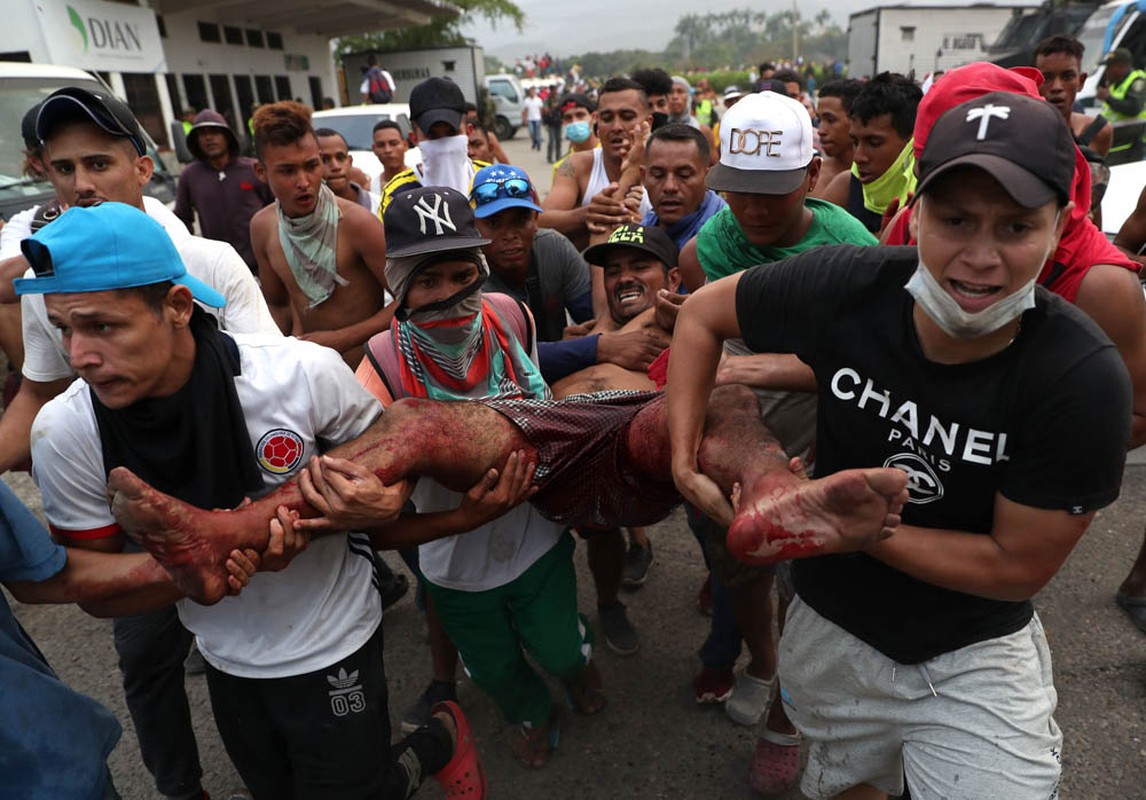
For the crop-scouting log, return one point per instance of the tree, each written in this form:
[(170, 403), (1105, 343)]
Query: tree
[(443, 32), (744, 36)]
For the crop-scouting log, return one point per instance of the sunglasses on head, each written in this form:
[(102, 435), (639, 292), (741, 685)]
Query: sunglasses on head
[(517, 188)]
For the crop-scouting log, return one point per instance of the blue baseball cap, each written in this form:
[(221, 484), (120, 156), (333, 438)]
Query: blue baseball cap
[(501, 186), (103, 247)]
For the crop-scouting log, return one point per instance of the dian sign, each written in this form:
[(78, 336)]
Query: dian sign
[(91, 34)]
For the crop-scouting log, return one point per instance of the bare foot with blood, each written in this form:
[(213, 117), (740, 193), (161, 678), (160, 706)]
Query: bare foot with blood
[(192, 544), (778, 519)]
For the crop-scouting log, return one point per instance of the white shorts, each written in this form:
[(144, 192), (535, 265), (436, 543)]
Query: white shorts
[(974, 723)]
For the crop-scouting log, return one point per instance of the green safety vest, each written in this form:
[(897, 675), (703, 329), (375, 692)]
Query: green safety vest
[(704, 111), (1118, 92)]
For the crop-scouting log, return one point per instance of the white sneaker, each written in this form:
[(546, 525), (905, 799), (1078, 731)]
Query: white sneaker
[(749, 699)]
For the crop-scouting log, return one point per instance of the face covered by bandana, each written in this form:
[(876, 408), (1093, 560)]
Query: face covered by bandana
[(446, 162), (458, 347), (400, 273)]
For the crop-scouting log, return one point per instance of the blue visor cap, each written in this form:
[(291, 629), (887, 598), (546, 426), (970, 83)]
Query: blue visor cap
[(501, 186)]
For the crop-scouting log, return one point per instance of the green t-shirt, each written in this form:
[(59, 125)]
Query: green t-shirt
[(723, 250)]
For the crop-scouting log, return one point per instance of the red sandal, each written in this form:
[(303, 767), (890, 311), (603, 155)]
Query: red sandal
[(464, 776)]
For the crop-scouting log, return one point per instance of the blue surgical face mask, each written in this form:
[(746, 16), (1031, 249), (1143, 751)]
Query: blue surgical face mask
[(577, 132)]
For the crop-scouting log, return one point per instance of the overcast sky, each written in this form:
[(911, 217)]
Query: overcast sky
[(580, 26)]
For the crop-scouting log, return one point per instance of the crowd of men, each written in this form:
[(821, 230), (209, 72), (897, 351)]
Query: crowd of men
[(870, 335)]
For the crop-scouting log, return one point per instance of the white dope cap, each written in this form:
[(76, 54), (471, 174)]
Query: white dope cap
[(765, 146)]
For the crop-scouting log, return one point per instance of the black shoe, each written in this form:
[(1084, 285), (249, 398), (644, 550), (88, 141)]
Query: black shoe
[(637, 562), (394, 589), (619, 633), (419, 714)]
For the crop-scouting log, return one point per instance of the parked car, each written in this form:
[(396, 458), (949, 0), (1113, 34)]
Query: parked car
[(356, 124), (21, 87)]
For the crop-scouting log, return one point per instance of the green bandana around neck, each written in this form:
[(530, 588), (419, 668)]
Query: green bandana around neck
[(898, 182)]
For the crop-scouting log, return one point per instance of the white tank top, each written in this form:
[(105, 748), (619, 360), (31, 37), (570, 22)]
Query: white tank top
[(598, 180)]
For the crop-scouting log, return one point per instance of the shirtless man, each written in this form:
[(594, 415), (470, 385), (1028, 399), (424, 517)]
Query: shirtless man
[(1059, 59), (584, 192), (639, 268), (328, 286), (833, 105), (336, 165), (389, 146)]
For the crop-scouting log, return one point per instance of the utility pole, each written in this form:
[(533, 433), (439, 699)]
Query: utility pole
[(795, 33)]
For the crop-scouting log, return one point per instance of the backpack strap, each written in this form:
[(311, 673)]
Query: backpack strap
[(382, 349), (516, 314), (382, 357), (1091, 130)]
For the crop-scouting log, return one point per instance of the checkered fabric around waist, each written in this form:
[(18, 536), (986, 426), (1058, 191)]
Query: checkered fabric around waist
[(582, 474)]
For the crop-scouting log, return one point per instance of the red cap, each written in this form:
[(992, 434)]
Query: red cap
[(957, 86)]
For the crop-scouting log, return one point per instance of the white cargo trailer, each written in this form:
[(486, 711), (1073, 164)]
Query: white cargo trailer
[(922, 36)]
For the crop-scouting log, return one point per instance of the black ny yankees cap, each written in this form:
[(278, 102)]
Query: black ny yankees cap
[(1021, 141), (429, 219)]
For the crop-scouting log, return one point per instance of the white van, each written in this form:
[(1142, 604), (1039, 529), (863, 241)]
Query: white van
[(507, 96), (23, 86)]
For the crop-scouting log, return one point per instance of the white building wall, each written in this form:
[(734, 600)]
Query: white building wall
[(301, 58), (925, 40), (21, 33), (151, 66), (862, 42), (926, 35)]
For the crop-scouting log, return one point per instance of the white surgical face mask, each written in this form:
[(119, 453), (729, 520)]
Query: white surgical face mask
[(943, 309)]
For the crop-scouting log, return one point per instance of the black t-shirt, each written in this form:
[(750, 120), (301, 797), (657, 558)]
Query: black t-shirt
[(870, 219), (1045, 423)]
